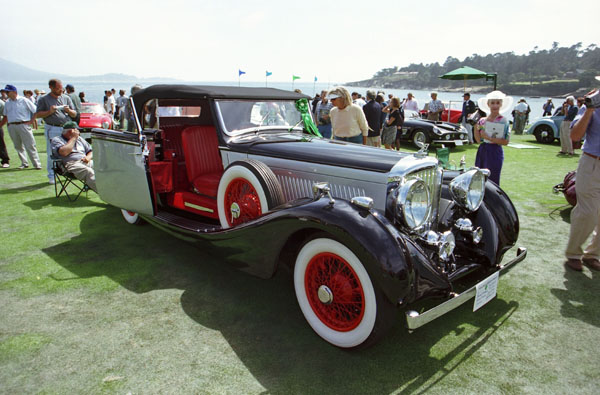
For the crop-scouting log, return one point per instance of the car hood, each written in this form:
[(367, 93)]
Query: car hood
[(306, 148), (91, 120), (444, 126)]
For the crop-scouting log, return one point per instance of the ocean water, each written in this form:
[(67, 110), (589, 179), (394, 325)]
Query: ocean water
[(94, 91)]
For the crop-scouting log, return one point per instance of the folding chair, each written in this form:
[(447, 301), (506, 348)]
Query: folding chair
[(63, 178)]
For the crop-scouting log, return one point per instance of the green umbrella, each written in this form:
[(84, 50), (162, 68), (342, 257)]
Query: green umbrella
[(464, 73)]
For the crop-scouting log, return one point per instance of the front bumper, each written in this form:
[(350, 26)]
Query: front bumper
[(455, 141), (415, 320)]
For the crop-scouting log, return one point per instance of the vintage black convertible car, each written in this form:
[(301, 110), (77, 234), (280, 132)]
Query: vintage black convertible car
[(420, 131), (363, 230)]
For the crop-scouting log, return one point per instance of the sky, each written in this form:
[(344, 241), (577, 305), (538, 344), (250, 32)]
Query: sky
[(336, 41)]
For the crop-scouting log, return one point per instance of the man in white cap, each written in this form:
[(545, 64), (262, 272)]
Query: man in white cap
[(19, 113), (520, 116)]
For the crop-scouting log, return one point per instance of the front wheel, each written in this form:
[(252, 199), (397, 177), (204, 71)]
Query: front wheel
[(337, 297), (544, 134), (419, 138)]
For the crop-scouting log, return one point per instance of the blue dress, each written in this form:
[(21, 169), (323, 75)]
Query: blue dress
[(489, 155)]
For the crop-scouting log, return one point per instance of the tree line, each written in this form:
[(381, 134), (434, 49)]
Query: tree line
[(575, 66)]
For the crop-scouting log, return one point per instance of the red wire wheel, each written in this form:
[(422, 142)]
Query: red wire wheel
[(334, 292), (241, 196)]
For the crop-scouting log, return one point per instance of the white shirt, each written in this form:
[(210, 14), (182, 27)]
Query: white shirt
[(359, 102), (412, 104), (349, 122), (109, 106), (521, 107)]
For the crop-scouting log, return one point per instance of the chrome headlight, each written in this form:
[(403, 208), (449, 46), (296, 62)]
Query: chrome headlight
[(414, 203), (468, 189), (437, 130), (105, 125)]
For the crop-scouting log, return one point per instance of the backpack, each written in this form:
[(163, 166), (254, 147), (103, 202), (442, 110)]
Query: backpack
[(567, 187)]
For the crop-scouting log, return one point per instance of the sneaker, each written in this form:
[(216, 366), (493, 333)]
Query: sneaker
[(38, 168), (23, 167), (5, 165), (574, 264), (592, 263)]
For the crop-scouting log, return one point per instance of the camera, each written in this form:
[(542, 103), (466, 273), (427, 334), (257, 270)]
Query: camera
[(593, 100)]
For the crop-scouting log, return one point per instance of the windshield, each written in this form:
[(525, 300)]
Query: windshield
[(92, 109), (409, 114), (250, 115)]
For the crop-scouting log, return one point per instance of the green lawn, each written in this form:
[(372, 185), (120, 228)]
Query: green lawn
[(89, 304)]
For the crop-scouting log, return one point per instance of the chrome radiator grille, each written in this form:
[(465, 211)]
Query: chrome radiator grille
[(294, 188), (433, 178)]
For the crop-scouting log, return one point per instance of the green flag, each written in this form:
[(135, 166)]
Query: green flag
[(295, 77)]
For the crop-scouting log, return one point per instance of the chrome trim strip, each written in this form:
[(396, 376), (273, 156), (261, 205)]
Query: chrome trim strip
[(121, 141), (415, 320), (450, 141), (199, 208), (135, 116)]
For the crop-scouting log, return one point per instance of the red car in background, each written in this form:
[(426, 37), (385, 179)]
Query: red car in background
[(455, 111), (93, 115)]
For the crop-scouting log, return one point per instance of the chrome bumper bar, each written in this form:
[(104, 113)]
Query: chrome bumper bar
[(415, 320)]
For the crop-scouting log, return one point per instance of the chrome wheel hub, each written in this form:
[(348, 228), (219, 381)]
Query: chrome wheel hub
[(235, 210), (325, 294)]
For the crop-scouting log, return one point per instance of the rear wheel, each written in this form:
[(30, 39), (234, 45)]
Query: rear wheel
[(544, 134), (337, 297), (131, 217), (247, 190)]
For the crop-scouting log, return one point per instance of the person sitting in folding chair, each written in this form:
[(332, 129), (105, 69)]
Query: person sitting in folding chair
[(75, 153)]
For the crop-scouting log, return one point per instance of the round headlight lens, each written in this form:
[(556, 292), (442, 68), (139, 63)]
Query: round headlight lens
[(468, 189), (105, 125), (414, 203)]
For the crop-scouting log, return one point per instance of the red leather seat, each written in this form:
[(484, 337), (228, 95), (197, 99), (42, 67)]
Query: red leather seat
[(202, 159)]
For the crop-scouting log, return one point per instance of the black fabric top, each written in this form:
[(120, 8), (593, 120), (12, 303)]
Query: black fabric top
[(173, 91), (217, 92)]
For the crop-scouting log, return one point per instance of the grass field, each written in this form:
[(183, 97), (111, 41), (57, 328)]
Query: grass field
[(90, 304)]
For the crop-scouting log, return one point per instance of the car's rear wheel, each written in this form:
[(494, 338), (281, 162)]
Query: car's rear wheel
[(247, 190), (132, 217), (544, 134), (419, 138), (337, 297)]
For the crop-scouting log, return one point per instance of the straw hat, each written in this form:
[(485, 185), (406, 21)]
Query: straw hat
[(507, 101)]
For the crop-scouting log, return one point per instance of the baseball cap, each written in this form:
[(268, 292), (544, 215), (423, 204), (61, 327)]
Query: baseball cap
[(69, 86), (332, 96), (70, 125), (10, 88)]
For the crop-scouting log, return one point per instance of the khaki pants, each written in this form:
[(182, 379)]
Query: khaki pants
[(83, 172), (585, 217), (23, 140), (374, 141), (566, 145)]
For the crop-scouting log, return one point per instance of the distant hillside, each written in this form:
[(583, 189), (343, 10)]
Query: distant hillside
[(10, 71), (551, 72)]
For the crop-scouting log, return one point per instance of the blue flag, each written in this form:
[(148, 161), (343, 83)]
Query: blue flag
[(241, 72), (269, 73), (315, 78)]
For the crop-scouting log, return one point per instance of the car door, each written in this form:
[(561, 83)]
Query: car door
[(120, 167)]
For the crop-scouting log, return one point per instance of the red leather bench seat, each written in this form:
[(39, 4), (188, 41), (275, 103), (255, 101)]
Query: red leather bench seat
[(202, 158)]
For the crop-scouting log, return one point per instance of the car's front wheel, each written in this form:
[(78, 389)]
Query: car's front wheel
[(544, 134), (337, 297), (419, 138), (131, 217)]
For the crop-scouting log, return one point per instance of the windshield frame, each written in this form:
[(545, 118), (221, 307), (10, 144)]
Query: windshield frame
[(259, 128), (92, 105)]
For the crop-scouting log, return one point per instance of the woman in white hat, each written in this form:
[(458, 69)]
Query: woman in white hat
[(494, 132)]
